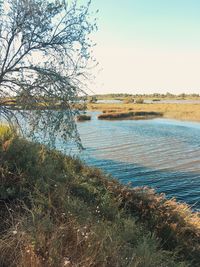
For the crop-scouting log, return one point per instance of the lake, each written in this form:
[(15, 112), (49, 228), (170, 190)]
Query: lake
[(160, 153)]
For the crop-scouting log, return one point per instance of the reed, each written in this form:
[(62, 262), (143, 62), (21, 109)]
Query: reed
[(189, 112), (129, 115)]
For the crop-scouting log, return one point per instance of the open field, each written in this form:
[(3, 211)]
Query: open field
[(189, 112)]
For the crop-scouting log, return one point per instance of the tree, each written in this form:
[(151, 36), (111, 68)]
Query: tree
[(44, 53)]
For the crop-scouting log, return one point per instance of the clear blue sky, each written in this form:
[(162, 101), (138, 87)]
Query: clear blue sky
[(148, 46)]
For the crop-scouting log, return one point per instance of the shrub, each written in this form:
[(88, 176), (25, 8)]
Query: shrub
[(129, 100), (139, 101), (6, 133), (83, 117)]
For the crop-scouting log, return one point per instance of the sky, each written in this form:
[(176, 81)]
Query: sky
[(147, 46)]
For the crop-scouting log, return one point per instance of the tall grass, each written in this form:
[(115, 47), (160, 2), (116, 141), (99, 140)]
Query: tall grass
[(5, 133), (129, 115), (55, 211)]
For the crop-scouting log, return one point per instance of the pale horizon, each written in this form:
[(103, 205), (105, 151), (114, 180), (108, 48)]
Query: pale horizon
[(145, 47)]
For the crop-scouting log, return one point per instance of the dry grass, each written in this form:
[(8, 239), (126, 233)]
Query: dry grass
[(175, 111), (173, 222), (129, 115)]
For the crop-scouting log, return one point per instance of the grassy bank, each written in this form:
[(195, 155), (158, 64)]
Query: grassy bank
[(55, 211), (129, 115), (175, 111)]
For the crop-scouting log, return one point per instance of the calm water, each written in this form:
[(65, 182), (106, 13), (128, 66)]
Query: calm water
[(109, 101), (160, 153)]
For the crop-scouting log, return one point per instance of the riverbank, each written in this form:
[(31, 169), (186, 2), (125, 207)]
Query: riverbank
[(190, 112), (56, 211)]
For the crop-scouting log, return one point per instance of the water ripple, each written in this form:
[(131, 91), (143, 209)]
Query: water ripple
[(164, 154)]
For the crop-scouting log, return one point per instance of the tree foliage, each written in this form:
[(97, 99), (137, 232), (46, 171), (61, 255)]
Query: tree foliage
[(44, 54)]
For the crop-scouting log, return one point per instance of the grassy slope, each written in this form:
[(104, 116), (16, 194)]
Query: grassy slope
[(55, 211), (176, 111)]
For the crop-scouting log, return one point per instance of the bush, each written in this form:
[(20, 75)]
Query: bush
[(6, 133), (129, 100), (139, 101), (83, 117)]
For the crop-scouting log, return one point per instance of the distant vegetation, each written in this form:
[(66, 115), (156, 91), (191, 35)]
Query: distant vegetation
[(92, 99), (56, 212), (153, 96), (139, 101), (128, 100)]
